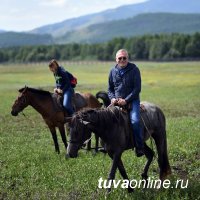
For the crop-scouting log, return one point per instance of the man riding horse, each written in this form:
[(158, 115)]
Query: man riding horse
[(124, 88)]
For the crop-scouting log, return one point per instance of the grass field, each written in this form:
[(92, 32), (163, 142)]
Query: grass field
[(30, 169)]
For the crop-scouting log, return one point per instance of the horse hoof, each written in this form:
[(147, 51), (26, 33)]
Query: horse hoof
[(94, 153), (144, 176), (108, 191), (67, 156), (130, 190)]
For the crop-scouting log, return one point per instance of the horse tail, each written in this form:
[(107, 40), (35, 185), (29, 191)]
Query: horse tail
[(104, 97), (161, 144)]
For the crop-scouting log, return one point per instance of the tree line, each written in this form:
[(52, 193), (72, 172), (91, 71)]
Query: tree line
[(158, 47)]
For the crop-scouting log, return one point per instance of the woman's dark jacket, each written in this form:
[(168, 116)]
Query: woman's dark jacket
[(62, 79)]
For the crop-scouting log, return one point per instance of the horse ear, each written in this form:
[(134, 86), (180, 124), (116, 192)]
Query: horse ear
[(25, 88)]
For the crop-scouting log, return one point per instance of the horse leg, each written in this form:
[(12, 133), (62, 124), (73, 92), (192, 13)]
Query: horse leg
[(163, 161), (63, 136), (89, 143), (124, 174), (148, 152), (54, 136), (115, 157), (96, 143)]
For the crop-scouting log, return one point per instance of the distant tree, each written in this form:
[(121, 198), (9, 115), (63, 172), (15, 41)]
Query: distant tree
[(192, 49), (74, 50), (109, 50), (22, 54), (179, 43), (172, 54), (11, 54), (53, 52), (100, 53), (30, 57), (159, 48), (118, 43), (137, 48), (65, 52), (2, 59)]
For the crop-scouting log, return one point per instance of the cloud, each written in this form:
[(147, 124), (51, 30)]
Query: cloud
[(50, 3), (26, 15)]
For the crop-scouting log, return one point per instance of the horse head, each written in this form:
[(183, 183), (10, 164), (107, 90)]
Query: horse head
[(21, 102), (80, 132)]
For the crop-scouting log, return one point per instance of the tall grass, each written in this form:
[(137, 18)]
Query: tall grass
[(30, 169)]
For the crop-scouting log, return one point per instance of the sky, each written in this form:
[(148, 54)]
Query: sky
[(25, 15)]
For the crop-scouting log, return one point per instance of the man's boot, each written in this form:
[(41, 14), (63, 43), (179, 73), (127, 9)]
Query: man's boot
[(139, 151)]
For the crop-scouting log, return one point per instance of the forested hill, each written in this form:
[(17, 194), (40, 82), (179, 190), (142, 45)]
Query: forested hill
[(8, 39), (139, 25)]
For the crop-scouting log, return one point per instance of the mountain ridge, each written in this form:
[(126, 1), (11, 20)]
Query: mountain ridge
[(126, 11), (149, 23)]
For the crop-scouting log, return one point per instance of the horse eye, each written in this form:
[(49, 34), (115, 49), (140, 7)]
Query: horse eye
[(24, 100)]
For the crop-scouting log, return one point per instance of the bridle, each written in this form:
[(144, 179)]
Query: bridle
[(82, 142), (21, 101)]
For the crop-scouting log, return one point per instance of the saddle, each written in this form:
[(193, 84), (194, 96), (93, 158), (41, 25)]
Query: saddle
[(78, 102), (144, 120)]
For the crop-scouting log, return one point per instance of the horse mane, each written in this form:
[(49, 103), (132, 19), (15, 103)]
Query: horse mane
[(34, 90), (101, 116)]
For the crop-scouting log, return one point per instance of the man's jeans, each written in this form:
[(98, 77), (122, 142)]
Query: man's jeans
[(67, 101), (135, 121)]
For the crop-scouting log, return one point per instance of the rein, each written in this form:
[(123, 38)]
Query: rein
[(28, 118), (150, 136), (75, 142), (110, 105), (86, 141), (25, 100)]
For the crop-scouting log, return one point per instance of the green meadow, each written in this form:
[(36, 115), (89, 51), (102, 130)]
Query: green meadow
[(30, 169)]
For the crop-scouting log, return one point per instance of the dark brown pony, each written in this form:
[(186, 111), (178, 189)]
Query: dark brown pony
[(42, 101)]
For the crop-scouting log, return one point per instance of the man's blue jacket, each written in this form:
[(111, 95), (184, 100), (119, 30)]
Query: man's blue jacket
[(125, 83)]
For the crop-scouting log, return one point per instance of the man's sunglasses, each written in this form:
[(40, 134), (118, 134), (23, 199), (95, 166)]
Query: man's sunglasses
[(122, 58)]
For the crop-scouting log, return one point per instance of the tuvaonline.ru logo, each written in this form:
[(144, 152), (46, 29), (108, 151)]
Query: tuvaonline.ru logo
[(149, 183)]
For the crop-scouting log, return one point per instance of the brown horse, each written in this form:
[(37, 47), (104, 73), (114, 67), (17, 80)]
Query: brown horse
[(44, 103)]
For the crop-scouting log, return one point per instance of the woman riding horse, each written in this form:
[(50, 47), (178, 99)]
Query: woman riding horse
[(63, 85), (42, 101)]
